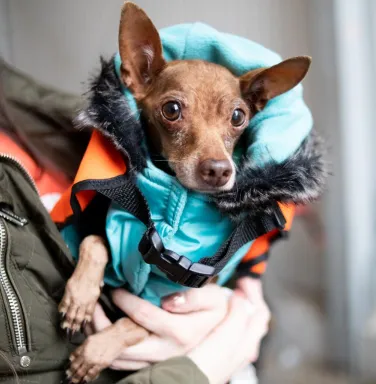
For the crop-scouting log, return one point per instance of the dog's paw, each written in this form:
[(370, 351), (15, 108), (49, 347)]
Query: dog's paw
[(90, 359), (100, 350), (77, 306)]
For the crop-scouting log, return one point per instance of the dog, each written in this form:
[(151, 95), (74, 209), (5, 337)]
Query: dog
[(195, 113)]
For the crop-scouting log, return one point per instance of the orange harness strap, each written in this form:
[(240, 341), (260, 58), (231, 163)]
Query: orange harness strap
[(261, 245)]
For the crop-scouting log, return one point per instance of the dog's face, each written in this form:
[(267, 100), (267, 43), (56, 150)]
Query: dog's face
[(196, 111), (197, 114)]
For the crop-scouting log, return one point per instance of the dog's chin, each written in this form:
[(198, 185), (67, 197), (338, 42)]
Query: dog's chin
[(207, 189)]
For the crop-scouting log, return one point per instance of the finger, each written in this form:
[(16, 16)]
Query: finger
[(231, 331), (257, 328), (193, 300), (149, 316), (184, 330), (188, 330), (258, 324), (225, 340), (237, 314), (100, 321), (255, 353), (252, 289), (128, 365), (152, 349)]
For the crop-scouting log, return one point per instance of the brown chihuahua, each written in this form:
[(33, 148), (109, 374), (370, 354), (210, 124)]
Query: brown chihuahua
[(196, 112)]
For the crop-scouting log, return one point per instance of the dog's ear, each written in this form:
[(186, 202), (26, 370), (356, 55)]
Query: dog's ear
[(261, 85), (140, 49)]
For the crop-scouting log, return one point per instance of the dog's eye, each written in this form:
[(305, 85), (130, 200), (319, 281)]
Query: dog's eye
[(238, 118), (171, 111)]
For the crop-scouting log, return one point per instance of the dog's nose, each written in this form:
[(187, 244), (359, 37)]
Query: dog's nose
[(216, 173)]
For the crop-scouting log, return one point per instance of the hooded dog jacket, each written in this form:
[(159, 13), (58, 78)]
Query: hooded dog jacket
[(281, 163)]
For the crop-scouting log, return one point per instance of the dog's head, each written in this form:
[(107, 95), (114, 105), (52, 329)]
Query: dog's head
[(196, 111)]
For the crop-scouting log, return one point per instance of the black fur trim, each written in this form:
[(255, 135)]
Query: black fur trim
[(300, 179), (109, 112)]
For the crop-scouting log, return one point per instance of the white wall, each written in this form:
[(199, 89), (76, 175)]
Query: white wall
[(5, 48), (59, 41)]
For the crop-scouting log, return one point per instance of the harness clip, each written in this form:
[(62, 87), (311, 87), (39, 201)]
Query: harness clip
[(178, 269)]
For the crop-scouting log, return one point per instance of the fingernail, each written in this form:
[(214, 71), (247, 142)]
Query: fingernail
[(62, 316), (178, 299)]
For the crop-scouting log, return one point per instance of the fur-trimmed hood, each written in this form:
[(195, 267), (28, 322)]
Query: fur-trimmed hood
[(284, 165), (299, 179)]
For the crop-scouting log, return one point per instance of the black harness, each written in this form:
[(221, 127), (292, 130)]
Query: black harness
[(178, 268)]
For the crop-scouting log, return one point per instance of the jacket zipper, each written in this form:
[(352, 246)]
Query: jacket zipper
[(10, 294), (12, 218), (21, 168)]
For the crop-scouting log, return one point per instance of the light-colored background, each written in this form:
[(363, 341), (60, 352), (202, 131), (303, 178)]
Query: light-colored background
[(321, 296)]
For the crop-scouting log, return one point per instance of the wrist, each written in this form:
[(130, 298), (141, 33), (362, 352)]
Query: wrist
[(215, 371), (93, 251), (203, 366)]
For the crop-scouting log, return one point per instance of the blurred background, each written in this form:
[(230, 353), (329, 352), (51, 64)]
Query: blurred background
[(320, 283)]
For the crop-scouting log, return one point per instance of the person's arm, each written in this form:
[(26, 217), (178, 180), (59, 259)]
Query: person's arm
[(177, 370)]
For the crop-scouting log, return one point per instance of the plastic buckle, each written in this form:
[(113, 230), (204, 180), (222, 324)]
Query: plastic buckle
[(151, 246), (178, 269)]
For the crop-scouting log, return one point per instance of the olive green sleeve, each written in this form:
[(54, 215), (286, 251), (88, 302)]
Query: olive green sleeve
[(179, 370)]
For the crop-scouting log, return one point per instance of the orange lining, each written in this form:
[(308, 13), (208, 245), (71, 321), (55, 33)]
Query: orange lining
[(261, 245), (101, 161), (259, 268)]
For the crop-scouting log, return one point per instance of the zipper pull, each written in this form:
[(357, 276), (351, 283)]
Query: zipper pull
[(12, 217)]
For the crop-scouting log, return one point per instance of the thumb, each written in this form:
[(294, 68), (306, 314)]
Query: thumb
[(197, 299), (252, 288)]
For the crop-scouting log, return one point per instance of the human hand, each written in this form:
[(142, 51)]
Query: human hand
[(236, 341), (185, 320), (252, 290)]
